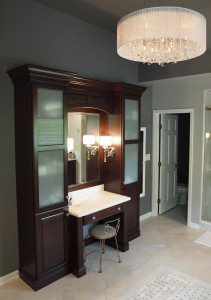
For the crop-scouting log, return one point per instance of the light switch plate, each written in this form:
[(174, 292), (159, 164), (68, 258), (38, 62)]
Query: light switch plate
[(147, 157)]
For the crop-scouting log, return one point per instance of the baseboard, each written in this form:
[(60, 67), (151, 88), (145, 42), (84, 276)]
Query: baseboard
[(44, 280), (133, 234), (8, 277), (145, 216), (204, 225), (193, 225)]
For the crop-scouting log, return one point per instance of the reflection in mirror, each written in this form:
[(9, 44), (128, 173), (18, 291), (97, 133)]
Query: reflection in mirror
[(83, 149)]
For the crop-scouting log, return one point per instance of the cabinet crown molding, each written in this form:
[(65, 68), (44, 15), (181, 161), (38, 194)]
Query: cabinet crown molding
[(128, 89), (41, 74), (91, 84)]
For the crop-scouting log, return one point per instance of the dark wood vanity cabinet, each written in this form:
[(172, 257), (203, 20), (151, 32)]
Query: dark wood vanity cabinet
[(41, 172), (122, 174), (89, 93), (132, 209), (42, 98), (71, 172), (51, 242)]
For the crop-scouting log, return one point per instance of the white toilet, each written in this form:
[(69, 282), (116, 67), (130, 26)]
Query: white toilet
[(182, 190)]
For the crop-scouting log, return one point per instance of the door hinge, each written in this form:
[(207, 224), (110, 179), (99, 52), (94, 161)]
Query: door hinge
[(158, 200), (159, 164), (160, 126)]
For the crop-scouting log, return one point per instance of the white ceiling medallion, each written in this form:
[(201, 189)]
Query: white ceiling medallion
[(161, 35)]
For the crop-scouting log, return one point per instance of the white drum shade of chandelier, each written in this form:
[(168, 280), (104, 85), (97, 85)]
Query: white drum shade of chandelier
[(161, 35)]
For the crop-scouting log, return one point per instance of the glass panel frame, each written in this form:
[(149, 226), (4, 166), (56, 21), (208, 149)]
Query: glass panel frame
[(50, 129), (131, 119), (55, 169), (50, 147), (131, 174)]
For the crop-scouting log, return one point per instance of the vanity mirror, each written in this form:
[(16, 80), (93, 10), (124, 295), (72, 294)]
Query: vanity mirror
[(83, 147)]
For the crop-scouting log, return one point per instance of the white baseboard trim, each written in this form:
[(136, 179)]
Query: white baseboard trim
[(204, 225), (8, 277), (193, 225), (145, 216)]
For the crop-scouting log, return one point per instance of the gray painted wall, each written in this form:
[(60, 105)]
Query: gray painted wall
[(186, 92), (146, 121), (199, 65), (33, 33)]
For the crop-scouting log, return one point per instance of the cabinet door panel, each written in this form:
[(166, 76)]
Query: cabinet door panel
[(51, 177), (50, 115), (132, 210), (51, 241), (131, 119), (131, 163)]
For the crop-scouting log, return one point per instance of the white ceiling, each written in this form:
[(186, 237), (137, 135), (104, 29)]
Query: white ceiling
[(106, 13)]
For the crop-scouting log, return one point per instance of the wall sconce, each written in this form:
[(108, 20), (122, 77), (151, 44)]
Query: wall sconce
[(70, 148), (106, 142), (89, 141)]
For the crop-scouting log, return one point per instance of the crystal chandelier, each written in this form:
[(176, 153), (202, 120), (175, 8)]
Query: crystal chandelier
[(161, 35)]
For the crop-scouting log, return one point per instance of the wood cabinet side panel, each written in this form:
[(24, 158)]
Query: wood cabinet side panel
[(24, 175)]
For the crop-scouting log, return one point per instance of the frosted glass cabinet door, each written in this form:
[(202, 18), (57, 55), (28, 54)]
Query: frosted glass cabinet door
[(50, 123), (51, 177), (131, 119), (131, 163)]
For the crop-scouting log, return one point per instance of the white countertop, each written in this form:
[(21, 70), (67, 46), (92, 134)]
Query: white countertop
[(95, 202)]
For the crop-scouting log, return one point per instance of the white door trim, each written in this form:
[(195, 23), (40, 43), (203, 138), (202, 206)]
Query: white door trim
[(202, 166), (155, 151), (143, 129)]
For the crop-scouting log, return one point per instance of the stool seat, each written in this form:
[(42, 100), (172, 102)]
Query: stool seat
[(102, 232)]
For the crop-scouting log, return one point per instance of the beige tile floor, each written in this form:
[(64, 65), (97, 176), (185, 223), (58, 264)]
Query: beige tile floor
[(165, 240)]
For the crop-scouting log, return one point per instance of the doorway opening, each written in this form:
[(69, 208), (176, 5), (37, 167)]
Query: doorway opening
[(172, 164)]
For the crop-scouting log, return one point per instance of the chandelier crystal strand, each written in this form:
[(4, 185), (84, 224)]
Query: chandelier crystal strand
[(161, 35)]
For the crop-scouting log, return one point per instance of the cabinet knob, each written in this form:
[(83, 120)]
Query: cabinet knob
[(93, 218), (119, 208)]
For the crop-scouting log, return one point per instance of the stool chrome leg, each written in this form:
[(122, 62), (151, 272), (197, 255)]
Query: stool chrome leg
[(101, 255), (117, 248), (103, 246)]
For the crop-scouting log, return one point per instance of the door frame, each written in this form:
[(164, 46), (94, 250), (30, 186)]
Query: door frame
[(143, 129), (155, 158)]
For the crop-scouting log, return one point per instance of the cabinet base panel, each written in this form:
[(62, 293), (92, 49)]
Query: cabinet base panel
[(133, 235), (79, 272), (122, 247), (38, 284)]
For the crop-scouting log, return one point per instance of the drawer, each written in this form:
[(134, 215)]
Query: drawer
[(102, 214)]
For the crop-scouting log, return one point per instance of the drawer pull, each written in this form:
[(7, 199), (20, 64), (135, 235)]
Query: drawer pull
[(93, 218), (119, 208)]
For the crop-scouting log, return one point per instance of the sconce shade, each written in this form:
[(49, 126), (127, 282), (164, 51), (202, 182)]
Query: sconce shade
[(105, 141), (70, 145), (88, 140)]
